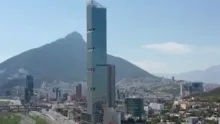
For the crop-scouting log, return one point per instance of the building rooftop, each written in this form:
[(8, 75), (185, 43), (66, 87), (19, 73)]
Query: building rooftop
[(94, 4)]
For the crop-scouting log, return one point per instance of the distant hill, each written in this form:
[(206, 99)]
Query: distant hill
[(210, 95), (209, 75), (64, 59), (214, 92)]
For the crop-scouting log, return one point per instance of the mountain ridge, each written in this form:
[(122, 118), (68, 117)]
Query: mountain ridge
[(208, 75), (63, 59)]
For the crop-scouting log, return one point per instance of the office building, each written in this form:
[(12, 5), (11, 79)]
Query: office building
[(111, 116), (117, 94), (191, 88), (29, 89), (111, 86), (26, 95), (173, 79), (30, 84), (96, 63), (57, 91), (134, 106), (79, 90), (181, 90), (197, 87)]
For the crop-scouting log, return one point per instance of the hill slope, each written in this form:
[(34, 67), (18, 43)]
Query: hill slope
[(210, 95), (64, 59), (209, 75)]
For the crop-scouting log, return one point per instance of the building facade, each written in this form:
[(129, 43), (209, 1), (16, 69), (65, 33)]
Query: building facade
[(157, 106), (191, 88), (134, 106), (79, 90), (30, 84), (111, 86), (29, 90), (96, 63)]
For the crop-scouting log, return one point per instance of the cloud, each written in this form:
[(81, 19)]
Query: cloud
[(152, 66), (169, 47)]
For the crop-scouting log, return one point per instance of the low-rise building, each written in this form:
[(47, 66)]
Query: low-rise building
[(157, 106)]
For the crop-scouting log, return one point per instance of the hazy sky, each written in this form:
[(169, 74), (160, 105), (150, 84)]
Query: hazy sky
[(161, 36)]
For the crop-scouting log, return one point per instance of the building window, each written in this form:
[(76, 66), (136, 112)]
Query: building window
[(91, 49), (91, 29), (91, 69), (91, 88)]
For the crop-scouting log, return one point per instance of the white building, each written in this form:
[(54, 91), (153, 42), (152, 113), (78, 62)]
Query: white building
[(157, 106), (146, 109)]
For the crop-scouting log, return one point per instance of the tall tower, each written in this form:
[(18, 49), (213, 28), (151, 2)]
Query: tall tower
[(181, 89), (111, 86), (96, 60), (29, 89), (79, 90), (30, 84)]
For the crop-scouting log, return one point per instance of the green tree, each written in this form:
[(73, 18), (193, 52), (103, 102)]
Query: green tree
[(155, 120)]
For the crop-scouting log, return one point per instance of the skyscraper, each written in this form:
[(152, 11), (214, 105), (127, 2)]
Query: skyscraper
[(111, 86), (26, 95), (181, 90), (29, 89), (79, 90), (30, 84), (96, 61)]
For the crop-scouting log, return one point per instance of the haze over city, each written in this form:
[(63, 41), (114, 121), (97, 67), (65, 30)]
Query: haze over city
[(161, 37)]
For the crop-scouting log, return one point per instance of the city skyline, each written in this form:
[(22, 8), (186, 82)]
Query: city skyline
[(164, 37)]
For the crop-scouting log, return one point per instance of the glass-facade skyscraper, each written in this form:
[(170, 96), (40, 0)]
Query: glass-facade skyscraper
[(30, 84), (96, 61)]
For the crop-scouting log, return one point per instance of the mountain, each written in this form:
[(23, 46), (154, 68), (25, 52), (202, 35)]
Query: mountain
[(209, 75), (64, 60)]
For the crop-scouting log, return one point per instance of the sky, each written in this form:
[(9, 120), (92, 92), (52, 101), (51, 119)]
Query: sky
[(160, 36)]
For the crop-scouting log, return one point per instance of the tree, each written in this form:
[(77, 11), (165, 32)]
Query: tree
[(155, 120), (175, 119), (195, 113), (166, 117), (210, 122)]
